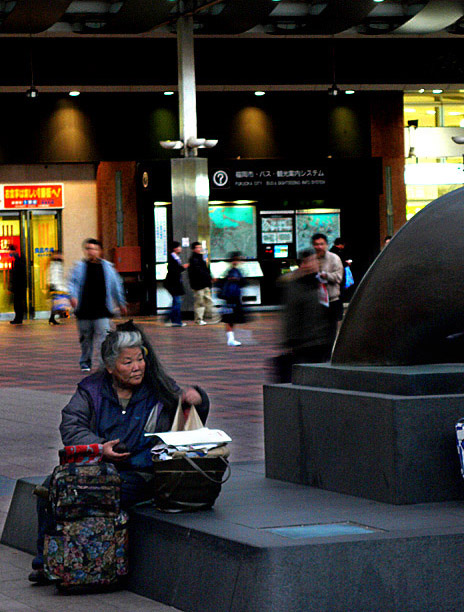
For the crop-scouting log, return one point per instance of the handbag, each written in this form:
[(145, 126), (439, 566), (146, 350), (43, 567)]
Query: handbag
[(349, 280), (60, 301), (191, 479)]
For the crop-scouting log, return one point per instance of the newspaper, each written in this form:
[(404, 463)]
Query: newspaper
[(196, 442)]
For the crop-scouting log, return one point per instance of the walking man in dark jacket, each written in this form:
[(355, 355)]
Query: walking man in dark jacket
[(200, 281), (18, 284), (174, 285)]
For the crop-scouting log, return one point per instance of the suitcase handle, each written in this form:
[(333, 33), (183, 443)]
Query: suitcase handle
[(203, 473)]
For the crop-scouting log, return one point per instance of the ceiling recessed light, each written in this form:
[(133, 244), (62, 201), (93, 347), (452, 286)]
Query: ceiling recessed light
[(74, 93), (454, 113), (349, 92), (260, 93), (168, 93), (437, 91), (409, 110), (431, 112), (421, 90)]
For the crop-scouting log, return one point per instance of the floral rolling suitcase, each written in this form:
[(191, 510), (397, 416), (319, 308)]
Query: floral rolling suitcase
[(87, 550), (88, 553)]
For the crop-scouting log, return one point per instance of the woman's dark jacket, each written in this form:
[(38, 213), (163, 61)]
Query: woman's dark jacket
[(94, 415), (173, 281)]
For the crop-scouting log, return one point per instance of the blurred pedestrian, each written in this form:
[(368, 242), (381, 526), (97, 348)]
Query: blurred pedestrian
[(18, 284), (306, 327), (173, 283), (57, 287), (231, 293), (95, 289)]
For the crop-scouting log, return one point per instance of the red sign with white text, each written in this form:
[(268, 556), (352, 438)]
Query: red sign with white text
[(33, 196)]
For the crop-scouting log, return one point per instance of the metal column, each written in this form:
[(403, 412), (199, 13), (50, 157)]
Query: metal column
[(189, 174)]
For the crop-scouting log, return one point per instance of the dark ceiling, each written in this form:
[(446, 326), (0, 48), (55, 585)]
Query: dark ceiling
[(234, 17), (287, 44)]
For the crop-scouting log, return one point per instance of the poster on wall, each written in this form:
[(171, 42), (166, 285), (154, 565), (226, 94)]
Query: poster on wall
[(275, 230), (161, 234), (232, 228), (316, 221), (24, 197)]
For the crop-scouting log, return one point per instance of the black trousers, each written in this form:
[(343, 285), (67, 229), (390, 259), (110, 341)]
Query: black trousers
[(19, 300)]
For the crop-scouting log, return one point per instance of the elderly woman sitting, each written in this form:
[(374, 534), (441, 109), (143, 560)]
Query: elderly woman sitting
[(112, 407)]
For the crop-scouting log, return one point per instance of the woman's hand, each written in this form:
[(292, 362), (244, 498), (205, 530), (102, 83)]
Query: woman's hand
[(191, 396), (110, 455)]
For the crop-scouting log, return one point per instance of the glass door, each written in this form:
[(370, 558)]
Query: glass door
[(44, 239), (10, 233), (36, 234)]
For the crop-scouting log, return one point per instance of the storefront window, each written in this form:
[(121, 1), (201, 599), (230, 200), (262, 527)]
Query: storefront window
[(427, 177)]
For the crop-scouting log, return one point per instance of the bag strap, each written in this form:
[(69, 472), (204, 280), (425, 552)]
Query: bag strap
[(203, 473)]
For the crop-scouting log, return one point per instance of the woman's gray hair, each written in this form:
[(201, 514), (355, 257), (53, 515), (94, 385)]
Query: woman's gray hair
[(115, 342)]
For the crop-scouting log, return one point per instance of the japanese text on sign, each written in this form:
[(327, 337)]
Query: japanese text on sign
[(33, 196), (280, 178)]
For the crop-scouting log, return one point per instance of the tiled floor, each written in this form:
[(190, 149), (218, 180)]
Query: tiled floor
[(38, 374)]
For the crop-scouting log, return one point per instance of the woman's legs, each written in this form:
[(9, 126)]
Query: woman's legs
[(231, 341), (175, 315), (52, 319)]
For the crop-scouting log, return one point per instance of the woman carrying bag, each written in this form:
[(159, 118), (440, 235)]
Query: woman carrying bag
[(231, 293)]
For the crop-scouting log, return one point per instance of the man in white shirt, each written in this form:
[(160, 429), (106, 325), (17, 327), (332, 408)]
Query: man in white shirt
[(331, 272)]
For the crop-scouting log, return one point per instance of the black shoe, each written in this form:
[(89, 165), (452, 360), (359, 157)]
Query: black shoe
[(16, 322), (53, 322), (85, 368), (38, 577)]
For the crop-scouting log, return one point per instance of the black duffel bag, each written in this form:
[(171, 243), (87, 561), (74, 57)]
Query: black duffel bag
[(186, 484)]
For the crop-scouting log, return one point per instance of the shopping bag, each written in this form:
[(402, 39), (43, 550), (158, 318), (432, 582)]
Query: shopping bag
[(60, 301), (189, 464), (349, 280)]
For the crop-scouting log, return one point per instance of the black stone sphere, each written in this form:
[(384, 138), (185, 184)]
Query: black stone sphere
[(409, 307)]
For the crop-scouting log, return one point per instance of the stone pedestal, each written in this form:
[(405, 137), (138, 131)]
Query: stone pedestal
[(383, 433)]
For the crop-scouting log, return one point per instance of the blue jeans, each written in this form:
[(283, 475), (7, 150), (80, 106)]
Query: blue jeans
[(91, 330), (175, 315)]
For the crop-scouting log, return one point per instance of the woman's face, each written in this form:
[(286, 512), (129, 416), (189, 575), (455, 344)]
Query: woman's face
[(129, 368)]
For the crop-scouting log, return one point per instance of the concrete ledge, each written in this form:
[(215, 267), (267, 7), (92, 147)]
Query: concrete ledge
[(394, 448), (403, 558), (441, 379), (20, 530)]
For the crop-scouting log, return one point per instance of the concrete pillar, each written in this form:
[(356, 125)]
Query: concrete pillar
[(186, 83), (189, 174)]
